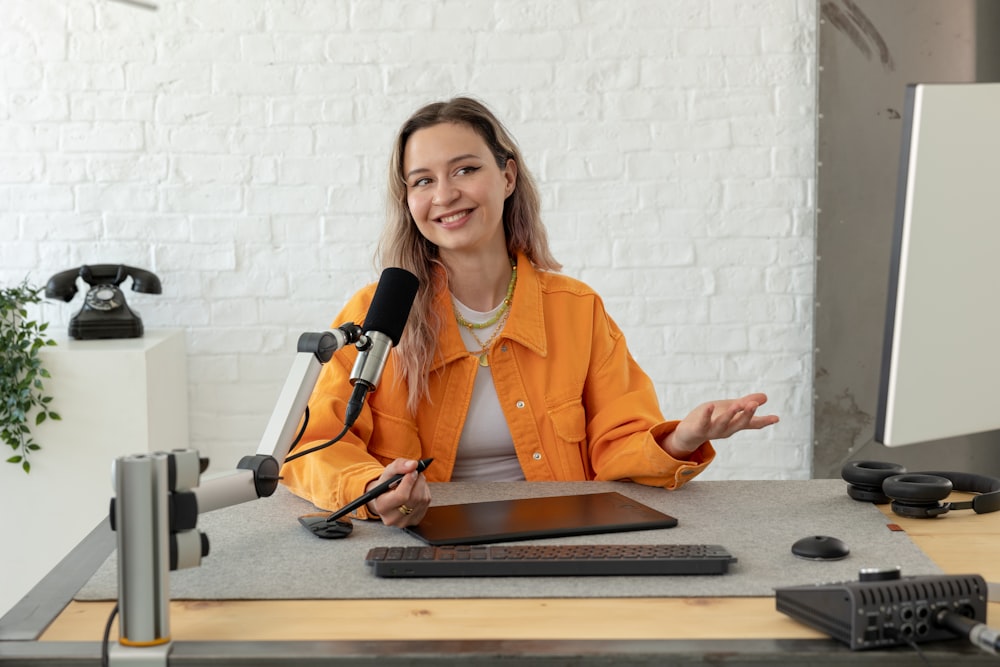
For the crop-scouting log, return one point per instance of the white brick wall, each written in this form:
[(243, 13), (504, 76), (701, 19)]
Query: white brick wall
[(238, 149)]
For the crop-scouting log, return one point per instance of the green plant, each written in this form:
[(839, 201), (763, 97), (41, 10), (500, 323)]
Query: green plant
[(21, 390)]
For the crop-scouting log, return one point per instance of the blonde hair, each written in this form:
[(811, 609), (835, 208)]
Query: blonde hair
[(404, 246)]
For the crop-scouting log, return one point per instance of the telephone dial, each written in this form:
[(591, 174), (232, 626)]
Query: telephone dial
[(104, 314)]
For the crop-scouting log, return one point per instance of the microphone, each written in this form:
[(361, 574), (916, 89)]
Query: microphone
[(383, 326)]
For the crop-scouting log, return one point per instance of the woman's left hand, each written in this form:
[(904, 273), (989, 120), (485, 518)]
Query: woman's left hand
[(716, 420)]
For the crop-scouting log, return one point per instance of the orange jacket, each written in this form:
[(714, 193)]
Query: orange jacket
[(578, 405)]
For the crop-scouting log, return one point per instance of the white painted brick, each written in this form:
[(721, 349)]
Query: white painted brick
[(752, 309), (201, 198), (63, 226), (116, 197), (107, 106), (20, 168), (294, 170), (286, 199), (100, 137), (126, 168), (169, 77), (20, 76), (643, 252), (101, 47), (221, 15), (679, 72), (34, 15), (204, 139), (41, 198), (137, 226), (193, 47), (18, 256), (233, 312), (725, 41), (518, 16), (80, 17), (262, 282), (38, 106), (193, 169), (283, 48), (217, 368), (38, 46), (264, 79), (411, 16), (209, 257), (764, 222), (71, 77), (223, 229), (279, 140), (735, 251), (790, 280)]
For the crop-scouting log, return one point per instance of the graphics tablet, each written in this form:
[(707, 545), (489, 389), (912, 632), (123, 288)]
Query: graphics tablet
[(532, 518)]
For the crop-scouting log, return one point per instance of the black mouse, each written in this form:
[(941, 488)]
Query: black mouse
[(820, 547)]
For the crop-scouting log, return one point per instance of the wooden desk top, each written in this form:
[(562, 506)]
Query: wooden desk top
[(960, 543)]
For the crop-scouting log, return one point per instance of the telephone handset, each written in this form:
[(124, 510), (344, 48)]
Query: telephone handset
[(105, 314)]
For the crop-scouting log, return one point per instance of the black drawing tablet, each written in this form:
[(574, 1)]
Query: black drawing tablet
[(532, 518)]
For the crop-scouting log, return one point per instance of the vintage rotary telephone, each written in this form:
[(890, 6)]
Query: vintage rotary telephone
[(105, 313)]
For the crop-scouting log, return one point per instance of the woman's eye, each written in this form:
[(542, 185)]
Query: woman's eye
[(419, 182), (467, 170)]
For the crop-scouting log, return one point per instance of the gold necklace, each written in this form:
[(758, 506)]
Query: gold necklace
[(484, 359), (505, 306)]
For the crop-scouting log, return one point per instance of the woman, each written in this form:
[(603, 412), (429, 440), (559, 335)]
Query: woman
[(507, 369)]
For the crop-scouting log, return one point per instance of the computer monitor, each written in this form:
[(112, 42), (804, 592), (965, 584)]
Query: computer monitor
[(941, 356)]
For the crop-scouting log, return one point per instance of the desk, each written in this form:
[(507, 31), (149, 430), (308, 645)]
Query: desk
[(591, 631)]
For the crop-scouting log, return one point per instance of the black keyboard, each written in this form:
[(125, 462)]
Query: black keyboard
[(525, 560)]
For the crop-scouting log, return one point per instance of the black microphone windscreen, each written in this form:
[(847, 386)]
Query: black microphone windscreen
[(392, 302)]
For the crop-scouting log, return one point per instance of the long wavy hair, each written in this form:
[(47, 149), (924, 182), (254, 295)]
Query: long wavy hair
[(404, 246)]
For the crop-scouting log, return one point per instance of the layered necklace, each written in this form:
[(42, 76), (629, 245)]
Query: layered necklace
[(499, 319)]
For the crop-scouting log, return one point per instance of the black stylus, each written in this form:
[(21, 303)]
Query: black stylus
[(375, 492)]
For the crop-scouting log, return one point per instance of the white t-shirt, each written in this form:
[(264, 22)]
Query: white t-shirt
[(486, 448)]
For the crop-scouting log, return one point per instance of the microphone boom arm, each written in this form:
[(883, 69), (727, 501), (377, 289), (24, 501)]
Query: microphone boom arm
[(159, 495)]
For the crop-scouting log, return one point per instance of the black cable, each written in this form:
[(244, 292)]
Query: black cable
[(302, 429), (105, 658), (916, 647), (318, 447)]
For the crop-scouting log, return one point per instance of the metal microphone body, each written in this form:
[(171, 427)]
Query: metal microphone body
[(371, 362), (390, 306)]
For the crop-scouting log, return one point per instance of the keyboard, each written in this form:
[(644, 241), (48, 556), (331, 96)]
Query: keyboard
[(575, 560)]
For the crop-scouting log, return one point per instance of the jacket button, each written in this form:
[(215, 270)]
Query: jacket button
[(537, 456), (519, 404)]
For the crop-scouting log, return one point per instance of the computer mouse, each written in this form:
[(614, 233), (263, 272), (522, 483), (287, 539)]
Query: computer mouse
[(820, 547)]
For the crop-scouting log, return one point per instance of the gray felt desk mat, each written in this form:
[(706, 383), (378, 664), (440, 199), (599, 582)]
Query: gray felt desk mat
[(260, 551)]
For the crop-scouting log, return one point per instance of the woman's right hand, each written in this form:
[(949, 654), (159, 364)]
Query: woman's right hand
[(407, 502)]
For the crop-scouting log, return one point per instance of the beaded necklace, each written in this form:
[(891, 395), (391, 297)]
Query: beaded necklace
[(496, 318), (499, 319)]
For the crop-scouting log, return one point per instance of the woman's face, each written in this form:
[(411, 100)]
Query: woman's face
[(454, 189)]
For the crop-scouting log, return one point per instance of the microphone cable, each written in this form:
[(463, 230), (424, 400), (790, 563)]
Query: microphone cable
[(302, 429), (979, 634)]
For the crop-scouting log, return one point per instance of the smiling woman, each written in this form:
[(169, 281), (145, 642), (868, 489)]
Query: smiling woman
[(507, 370)]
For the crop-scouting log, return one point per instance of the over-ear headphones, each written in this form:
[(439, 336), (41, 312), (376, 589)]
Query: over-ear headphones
[(918, 495)]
